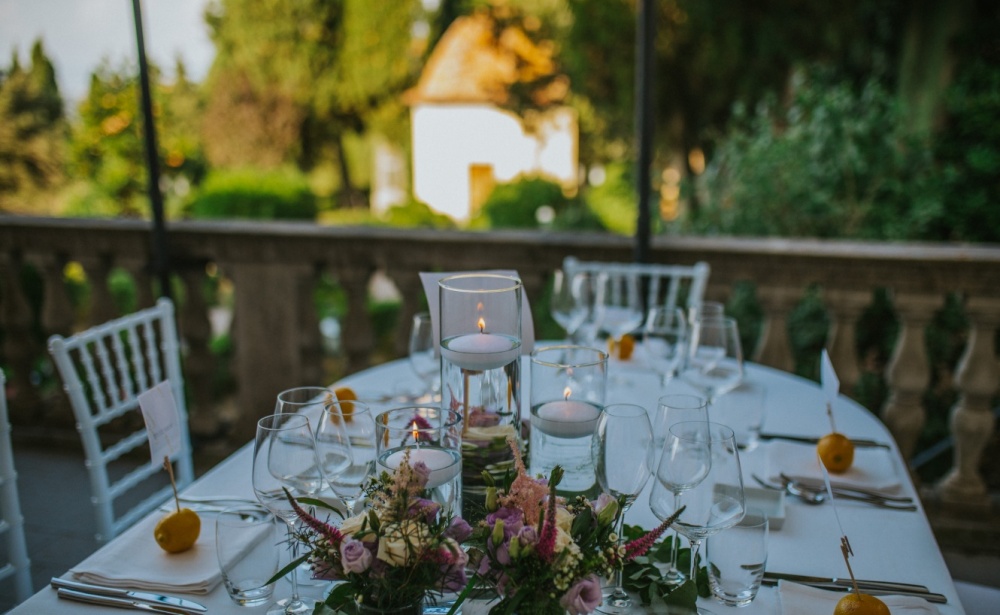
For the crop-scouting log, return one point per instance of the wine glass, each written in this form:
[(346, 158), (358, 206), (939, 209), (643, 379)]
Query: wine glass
[(567, 303), (715, 358), (671, 409), (699, 470), (622, 451), (345, 446), (664, 336), (618, 305), (284, 457), (423, 354)]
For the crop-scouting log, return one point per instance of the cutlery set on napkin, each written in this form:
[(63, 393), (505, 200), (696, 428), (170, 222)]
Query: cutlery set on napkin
[(802, 599)]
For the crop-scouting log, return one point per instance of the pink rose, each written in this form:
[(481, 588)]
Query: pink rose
[(354, 556), (583, 597)]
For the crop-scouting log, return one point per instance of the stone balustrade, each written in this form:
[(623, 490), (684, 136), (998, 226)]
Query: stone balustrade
[(275, 267)]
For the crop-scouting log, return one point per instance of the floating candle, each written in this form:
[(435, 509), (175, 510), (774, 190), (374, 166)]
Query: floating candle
[(443, 464), (480, 351), (566, 419)]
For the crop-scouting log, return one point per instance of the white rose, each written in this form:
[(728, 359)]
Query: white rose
[(402, 541)]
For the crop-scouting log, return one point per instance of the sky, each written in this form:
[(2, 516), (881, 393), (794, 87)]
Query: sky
[(78, 34)]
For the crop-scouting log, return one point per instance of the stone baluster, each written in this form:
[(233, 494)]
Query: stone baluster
[(357, 337), (411, 292), (102, 305), (19, 348), (139, 270), (773, 348), (310, 339), (908, 372), (972, 420), (846, 307), (195, 331), (267, 342), (57, 309), (534, 289)]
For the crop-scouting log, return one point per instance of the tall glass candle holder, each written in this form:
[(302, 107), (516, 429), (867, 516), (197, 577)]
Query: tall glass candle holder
[(480, 331), (428, 434), (568, 384)]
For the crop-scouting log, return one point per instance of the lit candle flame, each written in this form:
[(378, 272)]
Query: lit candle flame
[(566, 393), (416, 432), (482, 325)]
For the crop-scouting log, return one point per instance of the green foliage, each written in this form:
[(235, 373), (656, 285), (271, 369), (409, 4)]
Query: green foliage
[(614, 202), (644, 574), (831, 164), (252, 193), (416, 214), (32, 131), (516, 204)]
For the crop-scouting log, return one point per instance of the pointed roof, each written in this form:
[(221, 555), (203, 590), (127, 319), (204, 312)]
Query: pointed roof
[(477, 61)]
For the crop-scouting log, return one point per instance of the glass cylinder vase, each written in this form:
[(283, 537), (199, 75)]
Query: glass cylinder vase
[(428, 434), (480, 334), (568, 385)]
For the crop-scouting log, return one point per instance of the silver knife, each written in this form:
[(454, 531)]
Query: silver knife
[(178, 605), (774, 577), (838, 587), (121, 603), (858, 442)]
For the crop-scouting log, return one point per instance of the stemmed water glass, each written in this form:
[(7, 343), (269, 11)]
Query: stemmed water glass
[(345, 446), (715, 357), (423, 358), (618, 305), (622, 451), (699, 470), (672, 409), (568, 303), (664, 336), (284, 458)]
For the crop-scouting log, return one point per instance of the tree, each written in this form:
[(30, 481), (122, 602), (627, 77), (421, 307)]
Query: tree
[(32, 132), (300, 74)]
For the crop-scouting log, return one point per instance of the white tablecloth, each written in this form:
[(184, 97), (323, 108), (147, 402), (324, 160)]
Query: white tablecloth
[(889, 545)]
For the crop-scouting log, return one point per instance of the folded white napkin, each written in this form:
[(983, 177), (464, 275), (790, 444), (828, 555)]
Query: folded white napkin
[(873, 468), (799, 599), (134, 561)]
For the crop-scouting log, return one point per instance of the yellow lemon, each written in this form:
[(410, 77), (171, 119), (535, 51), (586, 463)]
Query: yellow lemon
[(860, 604), (178, 531), (836, 452), (345, 395), (622, 348)]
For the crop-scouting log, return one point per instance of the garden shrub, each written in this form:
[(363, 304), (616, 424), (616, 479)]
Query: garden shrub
[(257, 194)]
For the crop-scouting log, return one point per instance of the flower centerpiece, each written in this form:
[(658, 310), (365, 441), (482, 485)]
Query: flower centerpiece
[(544, 554), (393, 554)]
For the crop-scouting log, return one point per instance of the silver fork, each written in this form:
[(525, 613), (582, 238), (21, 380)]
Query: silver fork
[(846, 495)]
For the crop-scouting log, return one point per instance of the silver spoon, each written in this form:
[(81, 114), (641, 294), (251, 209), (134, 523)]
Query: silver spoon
[(806, 495)]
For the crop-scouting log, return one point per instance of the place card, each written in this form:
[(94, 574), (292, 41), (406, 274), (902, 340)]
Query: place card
[(159, 411)]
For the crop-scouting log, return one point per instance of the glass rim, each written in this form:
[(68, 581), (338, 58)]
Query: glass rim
[(266, 422), (717, 432), (699, 401), (624, 404), (516, 282), (243, 510), (602, 357), (382, 418)]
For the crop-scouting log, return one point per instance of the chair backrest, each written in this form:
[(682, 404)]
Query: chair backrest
[(104, 369), (665, 285), (11, 520)]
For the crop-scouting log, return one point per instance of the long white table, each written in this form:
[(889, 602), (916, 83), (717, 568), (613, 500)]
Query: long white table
[(889, 545)]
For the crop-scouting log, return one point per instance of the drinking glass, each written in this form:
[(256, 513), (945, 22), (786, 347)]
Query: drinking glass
[(715, 358), (622, 450), (737, 558), (345, 446), (568, 301), (284, 458), (699, 470), (663, 339), (671, 409), (423, 356), (618, 305)]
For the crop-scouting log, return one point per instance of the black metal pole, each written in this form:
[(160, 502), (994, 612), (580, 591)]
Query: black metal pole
[(645, 30), (160, 264)]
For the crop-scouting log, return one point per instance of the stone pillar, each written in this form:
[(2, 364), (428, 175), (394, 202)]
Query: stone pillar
[(411, 290), (19, 348), (846, 307), (198, 363), (102, 305), (972, 420), (310, 340), (908, 372), (267, 352), (357, 337), (773, 348)]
